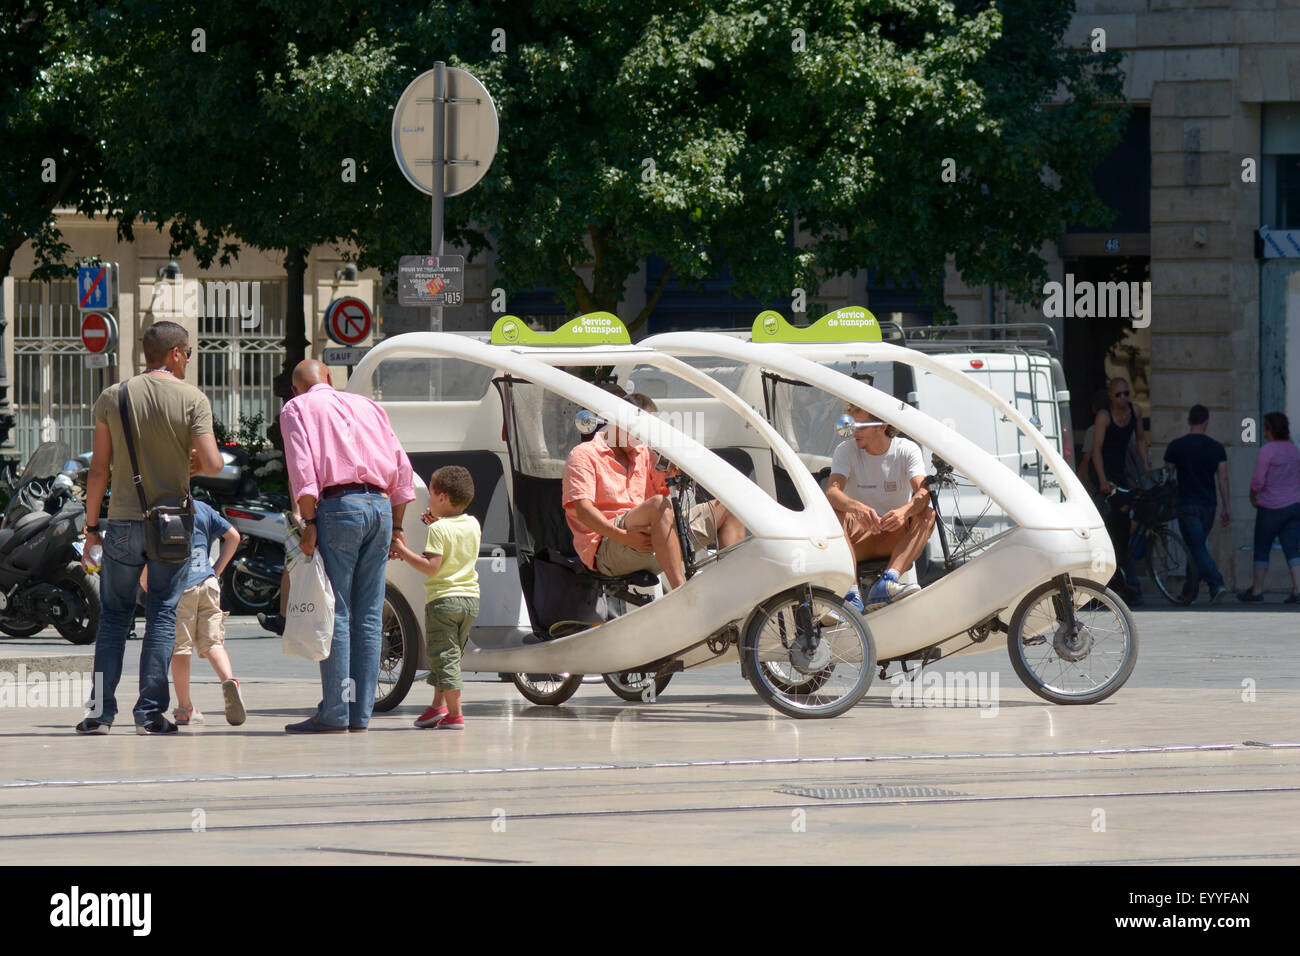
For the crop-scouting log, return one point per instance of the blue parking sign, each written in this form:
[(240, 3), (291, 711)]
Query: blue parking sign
[(92, 287)]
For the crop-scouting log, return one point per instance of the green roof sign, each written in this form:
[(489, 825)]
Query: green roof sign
[(850, 324), (594, 328)]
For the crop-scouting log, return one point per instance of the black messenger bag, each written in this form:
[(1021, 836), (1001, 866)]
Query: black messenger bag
[(169, 523)]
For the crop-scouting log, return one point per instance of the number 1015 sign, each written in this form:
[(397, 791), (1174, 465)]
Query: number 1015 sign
[(431, 280)]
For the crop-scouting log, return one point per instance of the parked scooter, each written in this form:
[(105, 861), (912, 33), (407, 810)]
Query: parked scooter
[(42, 583)]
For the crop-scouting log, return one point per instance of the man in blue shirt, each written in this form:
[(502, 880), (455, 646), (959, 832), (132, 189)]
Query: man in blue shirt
[(1201, 463), (200, 622)]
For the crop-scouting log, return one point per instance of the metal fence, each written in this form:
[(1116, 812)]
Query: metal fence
[(54, 390), (240, 358)]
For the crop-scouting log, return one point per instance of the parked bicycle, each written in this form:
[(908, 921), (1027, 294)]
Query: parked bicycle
[(1153, 541)]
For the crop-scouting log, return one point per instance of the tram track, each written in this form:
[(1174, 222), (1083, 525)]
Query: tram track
[(591, 814), (302, 799), (887, 758)]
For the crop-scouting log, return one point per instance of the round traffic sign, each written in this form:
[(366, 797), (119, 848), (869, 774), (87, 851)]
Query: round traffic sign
[(471, 132), (98, 332), (347, 320)]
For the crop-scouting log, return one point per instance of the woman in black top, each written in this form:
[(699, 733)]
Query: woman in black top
[(1114, 428)]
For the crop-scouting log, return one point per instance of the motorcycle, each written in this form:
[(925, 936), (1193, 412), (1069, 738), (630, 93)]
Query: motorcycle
[(42, 583), (251, 583)]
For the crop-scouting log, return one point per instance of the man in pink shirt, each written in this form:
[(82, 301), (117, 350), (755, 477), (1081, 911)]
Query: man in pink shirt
[(618, 509), (351, 481)]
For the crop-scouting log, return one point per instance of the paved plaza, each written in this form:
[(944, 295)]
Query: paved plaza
[(1196, 760)]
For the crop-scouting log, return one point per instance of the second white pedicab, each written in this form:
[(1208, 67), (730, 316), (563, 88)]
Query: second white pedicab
[(1035, 583)]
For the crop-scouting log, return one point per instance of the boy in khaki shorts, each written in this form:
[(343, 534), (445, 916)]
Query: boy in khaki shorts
[(618, 508), (200, 622), (450, 588)]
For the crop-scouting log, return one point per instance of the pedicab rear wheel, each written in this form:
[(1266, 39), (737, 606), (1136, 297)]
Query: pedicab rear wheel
[(1082, 666), (548, 690), (632, 685), (399, 650), (808, 654)]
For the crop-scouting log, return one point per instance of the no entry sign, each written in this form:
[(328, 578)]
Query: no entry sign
[(98, 332), (347, 320)]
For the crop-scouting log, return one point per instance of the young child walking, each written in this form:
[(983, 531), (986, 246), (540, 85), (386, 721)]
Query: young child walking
[(451, 590), (200, 622)]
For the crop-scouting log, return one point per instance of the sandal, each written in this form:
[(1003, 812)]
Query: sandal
[(186, 715)]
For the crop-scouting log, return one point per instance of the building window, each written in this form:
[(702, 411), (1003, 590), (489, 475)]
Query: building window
[(1122, 180), (1286, 206)]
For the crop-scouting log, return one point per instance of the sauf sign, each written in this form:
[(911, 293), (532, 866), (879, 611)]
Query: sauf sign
[(195, 299)]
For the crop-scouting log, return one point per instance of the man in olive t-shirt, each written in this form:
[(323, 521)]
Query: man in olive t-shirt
[(171, 426)]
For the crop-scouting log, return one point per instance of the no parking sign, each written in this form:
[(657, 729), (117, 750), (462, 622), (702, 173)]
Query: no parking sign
[(347, 320)]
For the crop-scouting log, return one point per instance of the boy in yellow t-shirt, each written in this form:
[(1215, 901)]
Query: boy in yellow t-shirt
[(451, 590)]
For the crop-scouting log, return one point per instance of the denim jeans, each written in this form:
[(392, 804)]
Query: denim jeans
[(1195, 522), (353, 532), (1281, 523), (124, 556), (1117, 526)]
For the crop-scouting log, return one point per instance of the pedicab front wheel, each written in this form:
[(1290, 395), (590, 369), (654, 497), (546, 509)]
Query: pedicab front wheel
[(548, 690), (1073, 659), (808, 654)]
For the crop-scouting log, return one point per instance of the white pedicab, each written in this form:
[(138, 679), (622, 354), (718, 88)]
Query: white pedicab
[(773, 599), (1037, 580), (848, 340)]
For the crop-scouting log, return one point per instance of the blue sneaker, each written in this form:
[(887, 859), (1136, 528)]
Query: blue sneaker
[(853, 601), (887, 590)]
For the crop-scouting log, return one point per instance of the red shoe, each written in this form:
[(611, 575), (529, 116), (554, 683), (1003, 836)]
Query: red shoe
[(431, 716), (451, 723)]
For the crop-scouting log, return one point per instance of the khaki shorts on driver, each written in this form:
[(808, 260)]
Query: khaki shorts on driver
[(615, 559), (199, 619)]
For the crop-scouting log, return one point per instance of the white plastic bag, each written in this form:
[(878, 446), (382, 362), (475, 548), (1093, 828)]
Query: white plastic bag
[(309, 618)]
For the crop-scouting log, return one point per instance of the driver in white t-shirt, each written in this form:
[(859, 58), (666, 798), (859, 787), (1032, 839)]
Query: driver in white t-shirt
[(877, 488)]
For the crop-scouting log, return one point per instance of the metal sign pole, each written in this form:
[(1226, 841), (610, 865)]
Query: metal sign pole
[(439, 171)]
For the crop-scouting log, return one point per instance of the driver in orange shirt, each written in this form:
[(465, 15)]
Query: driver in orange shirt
[(618, 508)]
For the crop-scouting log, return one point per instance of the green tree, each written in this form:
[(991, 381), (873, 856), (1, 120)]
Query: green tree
[(705, 132), (700, 132), (263, 124), (48, 160)]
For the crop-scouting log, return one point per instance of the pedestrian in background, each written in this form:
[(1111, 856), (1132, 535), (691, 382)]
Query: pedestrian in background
[(450, 589), (1100, 399), (351, 481), (1200, 462), (1275, 493), (171, 428), (1115, 426)]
